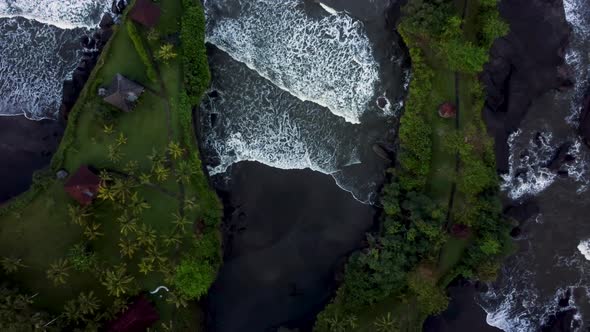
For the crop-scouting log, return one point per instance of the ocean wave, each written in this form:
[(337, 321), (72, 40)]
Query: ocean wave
[(247, 118), (327, 60), (521, 304), (35, 58), (65, 14)]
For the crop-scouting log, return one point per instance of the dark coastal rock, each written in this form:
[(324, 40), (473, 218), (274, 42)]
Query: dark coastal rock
[(524, 65), (383, 152), (563, 321), (522, 212), (560, 157), (106, 21), (584, 128), (84, 41)]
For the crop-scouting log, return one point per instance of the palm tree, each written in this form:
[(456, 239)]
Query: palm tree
[(138, 205), (175, 150), (145, 178), (160, 172), (12, 264), (78, 214), (105, 176), (105, 192), (114, 153), (146, 265), (166, 53), (72, 312), (108, 129), (185, 172), (153, 35), (88, 303), (176, 299), (117, 281), (122, 189), (180, 222), (386, 324), (128, 248), (58, 271), (146, 235), (190, 203), (172, 240), (131, 167), (121, 139), (128, 224), (92, 231)]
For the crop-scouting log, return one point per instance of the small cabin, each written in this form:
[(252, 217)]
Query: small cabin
[(447, 110), (83, 186), (146, 13), (123, 93)]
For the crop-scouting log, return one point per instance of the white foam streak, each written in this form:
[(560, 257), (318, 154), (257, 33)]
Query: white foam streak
[(64, 14), (328, 61), (329, 9), (584, 248)]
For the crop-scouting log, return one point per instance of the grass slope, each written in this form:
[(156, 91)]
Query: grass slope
[(37, 228)]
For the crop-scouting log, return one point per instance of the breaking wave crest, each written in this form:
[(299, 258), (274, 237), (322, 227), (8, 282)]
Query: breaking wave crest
[(327, 60), (247, 118), (65, 14), (38, 49)]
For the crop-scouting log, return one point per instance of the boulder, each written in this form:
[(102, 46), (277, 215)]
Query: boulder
[(106, 21), (560, 157), (382, 152), (522, 212)]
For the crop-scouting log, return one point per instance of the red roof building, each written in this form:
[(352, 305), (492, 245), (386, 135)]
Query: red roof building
[(83, 186), (138, 317), (146, 13), (447, 110)]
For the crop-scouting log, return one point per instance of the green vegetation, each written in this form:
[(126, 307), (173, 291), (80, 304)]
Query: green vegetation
[(155, 220), (442, 217)]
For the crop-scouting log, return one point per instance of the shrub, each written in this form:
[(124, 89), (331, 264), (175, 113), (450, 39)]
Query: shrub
[(195, 66), (193, 278), (141, 51)]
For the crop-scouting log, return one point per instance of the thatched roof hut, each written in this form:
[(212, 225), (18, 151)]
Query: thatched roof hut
[(447, 110), (123, 93), (83, 186)]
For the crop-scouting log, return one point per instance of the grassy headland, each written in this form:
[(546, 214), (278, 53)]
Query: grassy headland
[(155, 221), (442, 216)]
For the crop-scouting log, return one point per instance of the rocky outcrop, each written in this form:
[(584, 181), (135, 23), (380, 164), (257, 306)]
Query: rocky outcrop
[(584, 128), (92, 45), (523, 65)]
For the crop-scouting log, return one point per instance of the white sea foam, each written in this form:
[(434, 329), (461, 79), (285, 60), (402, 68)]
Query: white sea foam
[(65, 14), (577, 13), (35, 58), (39, 49), (326, 60), (257, 121), (528, 174), (584, 248), (329, 9)]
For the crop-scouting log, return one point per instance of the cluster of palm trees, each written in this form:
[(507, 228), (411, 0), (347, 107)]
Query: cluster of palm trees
[(114, 153)]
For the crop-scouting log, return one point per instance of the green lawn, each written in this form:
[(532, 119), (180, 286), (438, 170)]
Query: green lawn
[(38, 229)]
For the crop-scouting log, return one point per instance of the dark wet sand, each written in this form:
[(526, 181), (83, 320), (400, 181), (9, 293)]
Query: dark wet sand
[(25, 146), (288, 234)]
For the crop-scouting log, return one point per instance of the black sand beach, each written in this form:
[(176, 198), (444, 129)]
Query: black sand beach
[(25, 146), (288, 234)]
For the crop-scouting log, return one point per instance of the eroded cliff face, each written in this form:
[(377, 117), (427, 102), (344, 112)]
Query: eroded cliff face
[(523, 66)]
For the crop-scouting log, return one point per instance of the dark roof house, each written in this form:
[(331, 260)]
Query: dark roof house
[(447, 110), (83, 186), (138, 317), (146, 13), (123, 93)]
